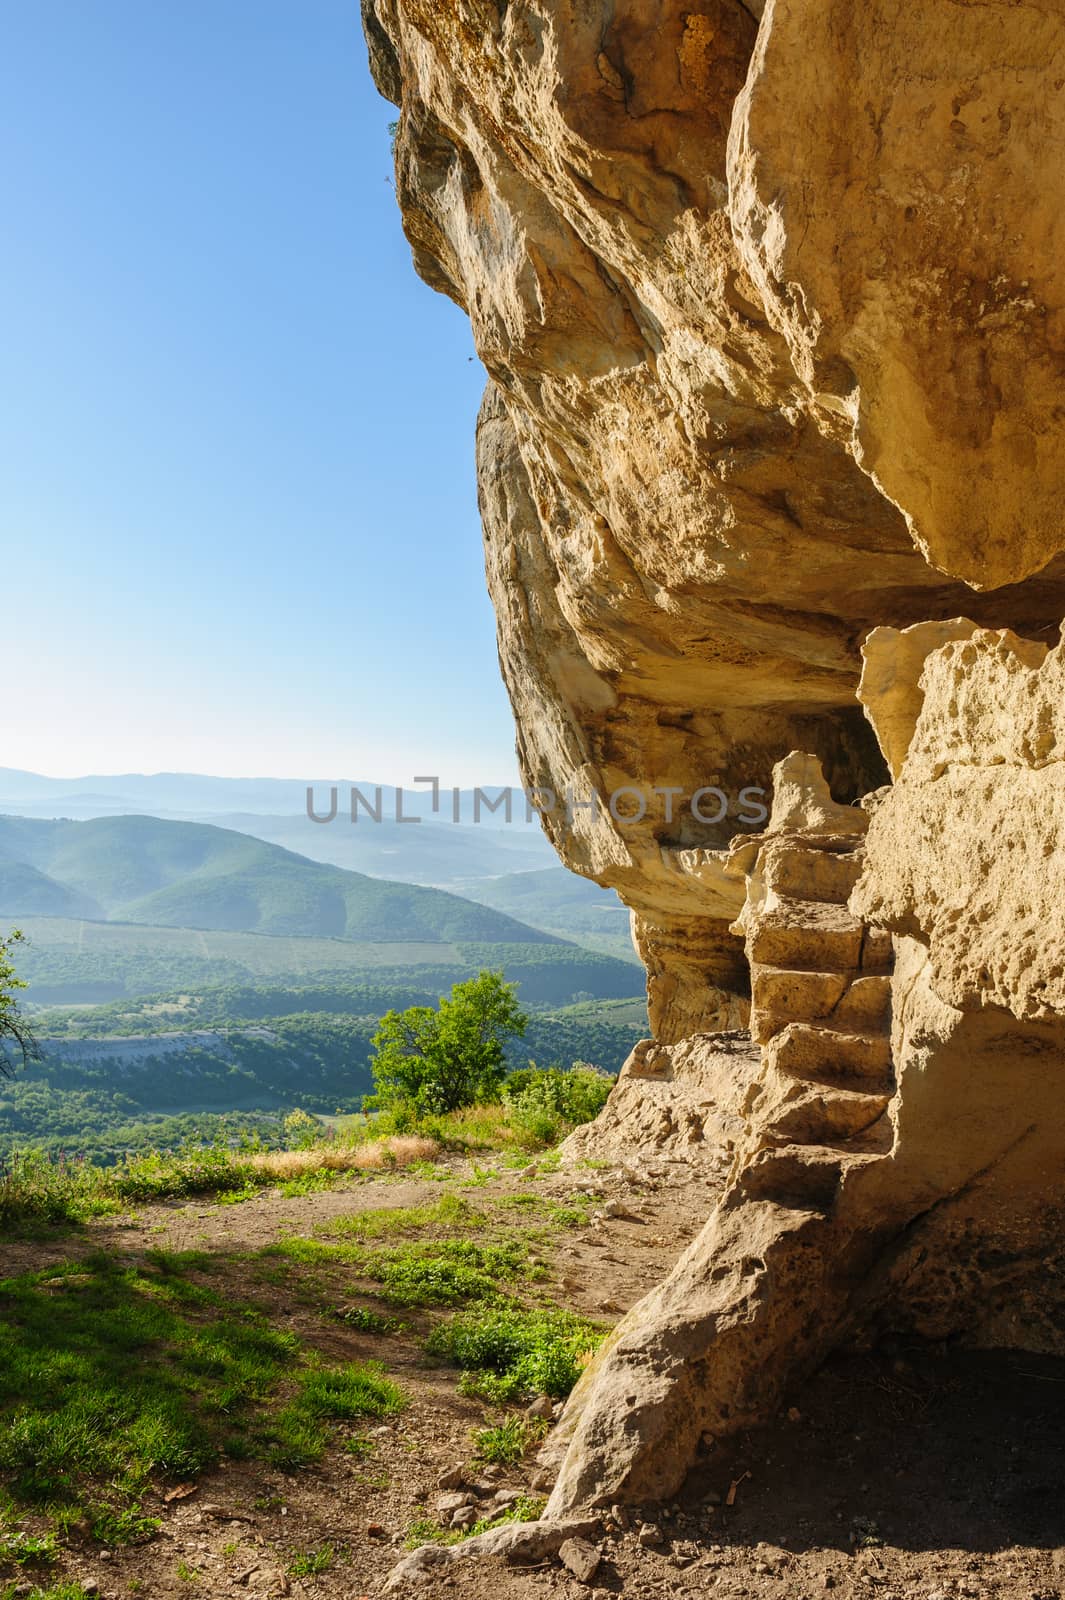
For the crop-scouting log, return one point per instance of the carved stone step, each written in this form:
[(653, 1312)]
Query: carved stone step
[(803, 1049), (866, 1006), (813, 1113), (806, 935), (806, 1177), (813, 874), (780, 995)]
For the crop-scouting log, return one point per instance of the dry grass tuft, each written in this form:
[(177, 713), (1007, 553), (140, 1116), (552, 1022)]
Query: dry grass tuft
[(398, 1150)]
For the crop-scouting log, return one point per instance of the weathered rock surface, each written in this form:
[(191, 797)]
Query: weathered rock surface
[(902, 1165), (772, 301), (686, 536), (965, 853), (893, 199), (682, 1101)]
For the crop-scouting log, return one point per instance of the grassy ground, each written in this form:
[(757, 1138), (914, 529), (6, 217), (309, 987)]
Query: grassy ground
[(35, 1188), (123, 1381)]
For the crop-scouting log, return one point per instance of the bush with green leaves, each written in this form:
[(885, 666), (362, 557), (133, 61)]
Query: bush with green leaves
[(543, 1101), (17, 1043), (438, 1060), (302, 1131)]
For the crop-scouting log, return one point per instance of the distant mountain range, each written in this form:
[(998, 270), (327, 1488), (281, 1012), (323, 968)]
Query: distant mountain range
[(197, 796), (510, 868), (436, 853), (140, 869)]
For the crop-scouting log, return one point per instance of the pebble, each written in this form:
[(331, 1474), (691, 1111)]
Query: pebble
[(580, 1558), (456, 1500), (650, 1534)]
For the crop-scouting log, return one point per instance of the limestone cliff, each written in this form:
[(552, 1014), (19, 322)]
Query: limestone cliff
[(771, 298)]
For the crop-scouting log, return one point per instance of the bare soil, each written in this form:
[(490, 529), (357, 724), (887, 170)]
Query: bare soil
[(908, 1472)]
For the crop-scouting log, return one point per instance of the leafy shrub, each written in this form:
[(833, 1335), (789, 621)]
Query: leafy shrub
[(35, 1188), (193, 1170), (22, 1549), (302, 1131), (542, 1101), (440, 1060)]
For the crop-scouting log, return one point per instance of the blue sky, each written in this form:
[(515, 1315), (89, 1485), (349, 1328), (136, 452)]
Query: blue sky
[(237, 495)]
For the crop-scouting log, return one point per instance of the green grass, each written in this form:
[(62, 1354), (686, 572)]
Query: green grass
[(122, 1525), (450, 1211), (68, 1590), (423, 1530), (511, 1352), (21, 1549), (420, 1272), (35, 1189), (509, 1441), (311, 1562), (367, 1321), (527, 1508), (356, 1390), (445, 1272), (297, 1434), (113, 1377)]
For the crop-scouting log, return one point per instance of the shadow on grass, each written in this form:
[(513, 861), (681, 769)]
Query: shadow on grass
[(112, 1375)]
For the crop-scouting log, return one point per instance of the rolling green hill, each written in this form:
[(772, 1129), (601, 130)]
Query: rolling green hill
[(558, 902), (193, 875)]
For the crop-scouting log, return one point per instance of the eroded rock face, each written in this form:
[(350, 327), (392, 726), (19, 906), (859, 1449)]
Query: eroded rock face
[(685, 528), (772, 303), (893, 198), (966, 850)]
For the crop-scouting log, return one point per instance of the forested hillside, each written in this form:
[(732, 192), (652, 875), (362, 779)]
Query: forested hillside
[(193, 875)]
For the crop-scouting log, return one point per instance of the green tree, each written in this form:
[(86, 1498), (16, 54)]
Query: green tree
[(15, 1032), (438, 1060)]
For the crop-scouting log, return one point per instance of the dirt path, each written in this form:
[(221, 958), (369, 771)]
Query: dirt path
[(905, 1475)]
